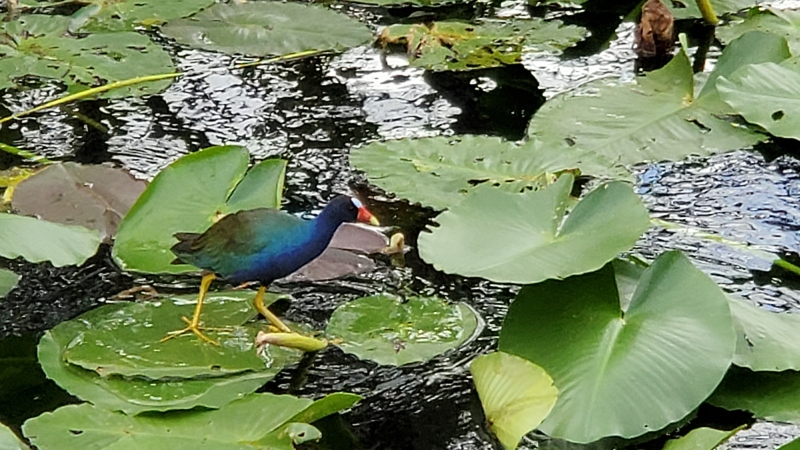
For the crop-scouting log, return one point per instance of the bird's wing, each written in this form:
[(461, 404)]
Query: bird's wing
[(236, 238)]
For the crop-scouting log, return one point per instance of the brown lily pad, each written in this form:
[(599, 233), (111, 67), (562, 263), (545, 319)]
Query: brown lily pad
[(93, 196)]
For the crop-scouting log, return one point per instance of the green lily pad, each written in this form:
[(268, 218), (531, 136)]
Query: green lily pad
[(523, 238), (125, 341), (127, 15), (657, 117), (766, 341), (268, 28), (624, 372), (767, 95), (516, 395), (188, 196), (9, 440), (389, 331), (453, 45), (39, 45), (702, 438), (237, 426), (136, 395), (769, 20), (91, 195), (8, 280), (768, 395), (39, 240), (441, 171), (793, 445), (688, 9)]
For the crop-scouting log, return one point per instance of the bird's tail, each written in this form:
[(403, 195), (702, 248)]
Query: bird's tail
[(184, 246)]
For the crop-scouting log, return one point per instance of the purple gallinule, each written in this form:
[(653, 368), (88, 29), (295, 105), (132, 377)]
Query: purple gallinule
[(261, 245)]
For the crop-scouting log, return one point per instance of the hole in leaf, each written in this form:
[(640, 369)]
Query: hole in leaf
[(777, 115), (678, 5), (477, 181), (76, 432)]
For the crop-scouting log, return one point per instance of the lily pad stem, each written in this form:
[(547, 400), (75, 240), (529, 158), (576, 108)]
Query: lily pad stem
[(708, 12)]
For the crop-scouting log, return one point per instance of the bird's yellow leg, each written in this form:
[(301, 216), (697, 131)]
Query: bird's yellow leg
[(194, 323), (258, 303)]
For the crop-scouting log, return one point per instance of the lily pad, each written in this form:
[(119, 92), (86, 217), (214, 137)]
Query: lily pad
[(792, 445), (524, 238), (39, 240), (657, 117), (9, 440), (766, 341), (125, 341), (453, 45), (688, 9), (516, 395), (188, 196), (268, 28), (624, 372), (238, 425), (136, 395), (440, 171), (768, 395), (389, 331), (702, 438), (767, 95), (39, 45), (768, 20), (8, 280), (128, 15), (93, 196)]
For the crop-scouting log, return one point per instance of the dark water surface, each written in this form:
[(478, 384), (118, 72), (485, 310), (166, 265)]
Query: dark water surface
[(312, 112)]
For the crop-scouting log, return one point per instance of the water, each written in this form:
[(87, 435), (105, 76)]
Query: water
[(312, 112)]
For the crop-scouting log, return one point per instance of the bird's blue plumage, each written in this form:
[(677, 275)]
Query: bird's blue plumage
[(263, 244)]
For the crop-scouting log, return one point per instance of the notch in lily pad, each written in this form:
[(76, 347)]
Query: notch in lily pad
[(391, 331)]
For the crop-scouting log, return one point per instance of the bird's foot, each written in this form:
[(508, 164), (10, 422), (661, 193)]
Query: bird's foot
[(291, 340), (196, 329)]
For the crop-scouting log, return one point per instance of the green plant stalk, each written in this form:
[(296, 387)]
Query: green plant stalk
[(708, 12), (24, 154), (774, 259)]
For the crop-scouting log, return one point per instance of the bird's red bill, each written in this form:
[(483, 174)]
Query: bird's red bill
[(365, 216)]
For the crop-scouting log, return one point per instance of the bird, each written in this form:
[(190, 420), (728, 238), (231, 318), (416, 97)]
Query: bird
[(261, 245)]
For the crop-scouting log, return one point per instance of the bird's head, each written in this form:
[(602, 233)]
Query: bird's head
[(349, 209)]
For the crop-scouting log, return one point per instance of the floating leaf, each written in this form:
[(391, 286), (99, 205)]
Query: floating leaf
[(93, 196), (440, 171), (238, 425), (452, 45), (392, 332), (9, 440), (188, 196), (688, 9), (8, 280), (267, 28), (39, 240), (769, 20), (657, 117), (42, 47), (128, 15), (136, 395), (701, 439), (624, 372), (767, 95), (523, 238), (126, 341), (793, 445), (768, 395), (767, 341), (516, 395)]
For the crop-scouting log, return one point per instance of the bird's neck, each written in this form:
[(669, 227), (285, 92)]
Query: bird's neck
[(325, 225)]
